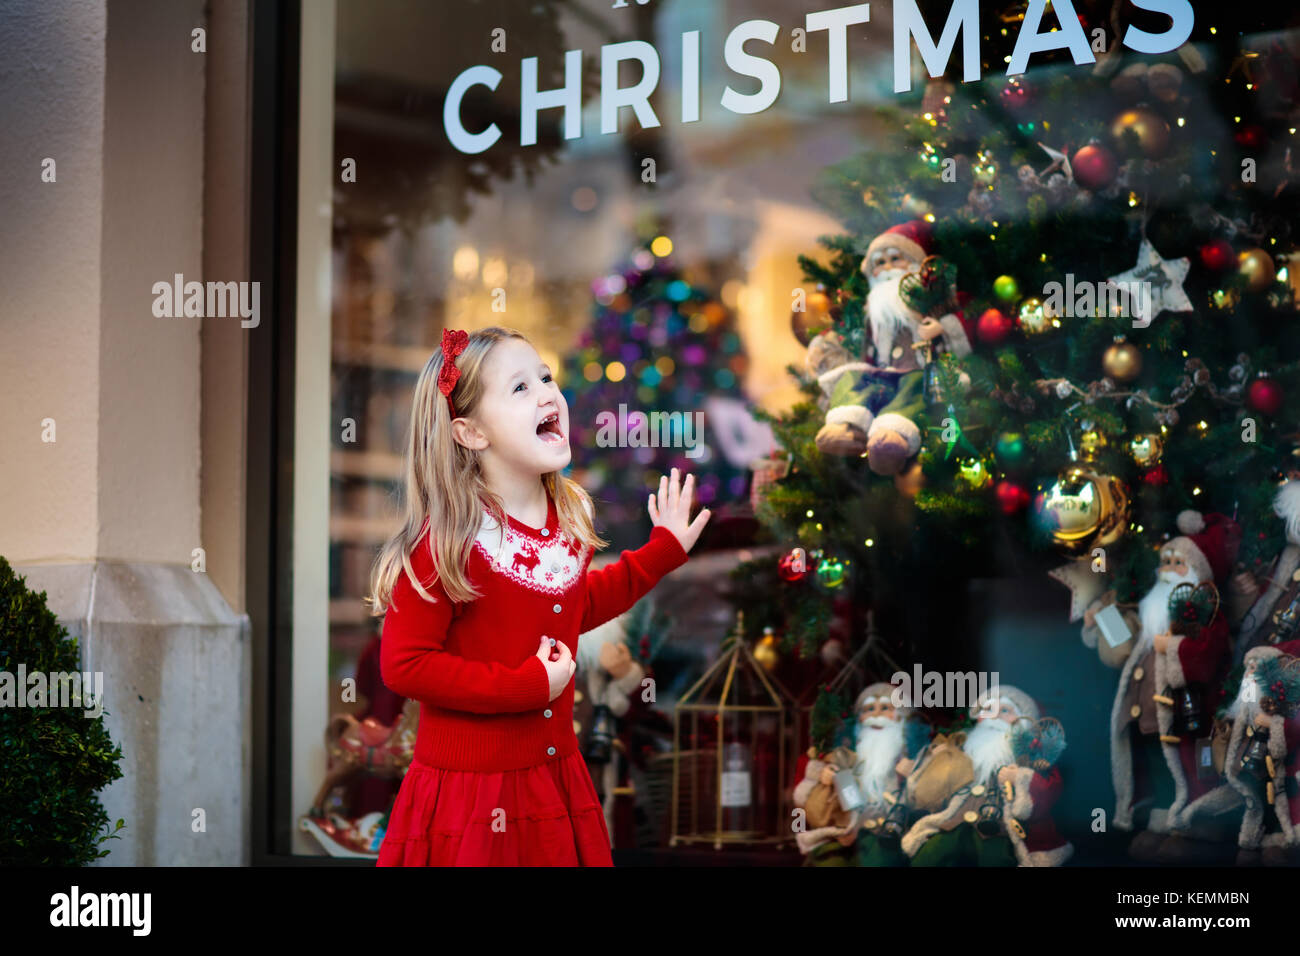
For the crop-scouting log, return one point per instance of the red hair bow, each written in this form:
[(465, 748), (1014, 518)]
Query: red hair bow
[(453, 343)]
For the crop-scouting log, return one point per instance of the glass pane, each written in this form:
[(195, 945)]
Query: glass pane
[(653, 267), (622, 183)]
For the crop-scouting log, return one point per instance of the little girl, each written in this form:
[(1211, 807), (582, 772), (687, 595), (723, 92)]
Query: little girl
[(486, 590)]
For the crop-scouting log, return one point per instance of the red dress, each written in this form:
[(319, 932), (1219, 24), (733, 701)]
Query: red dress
[(498, 778), (547, 815)]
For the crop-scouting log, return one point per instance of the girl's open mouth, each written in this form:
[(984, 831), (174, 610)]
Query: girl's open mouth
[(549, 430)]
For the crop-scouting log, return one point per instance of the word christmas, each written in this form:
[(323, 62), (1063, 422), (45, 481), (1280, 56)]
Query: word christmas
[(963, 21)]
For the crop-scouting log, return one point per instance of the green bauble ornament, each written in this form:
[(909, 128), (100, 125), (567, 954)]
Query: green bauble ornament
[(1036, 318), (1006, 288), (974, 474), (830, 573), (1011, 449)]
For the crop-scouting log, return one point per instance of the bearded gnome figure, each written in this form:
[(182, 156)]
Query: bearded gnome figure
[(1003, 816), (1262, 767), (1158, 721), (882, 740), (872, 404)]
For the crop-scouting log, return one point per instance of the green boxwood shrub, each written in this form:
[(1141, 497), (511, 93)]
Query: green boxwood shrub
[(52, 759)]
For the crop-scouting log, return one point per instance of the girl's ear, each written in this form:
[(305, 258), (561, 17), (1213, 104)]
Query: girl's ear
[(466, 433)]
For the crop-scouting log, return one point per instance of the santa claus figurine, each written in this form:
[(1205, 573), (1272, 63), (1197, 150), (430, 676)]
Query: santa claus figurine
[(882, 735), (1275, 617), (895, 326), (893, 438), (873, 404), (1158, 721), (832, 809), (1004, 816), (1263, 755)]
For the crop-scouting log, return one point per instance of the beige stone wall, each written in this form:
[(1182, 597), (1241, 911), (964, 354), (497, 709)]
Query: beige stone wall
[(146, 413), (224, 344), (81, 354), (50, 263)]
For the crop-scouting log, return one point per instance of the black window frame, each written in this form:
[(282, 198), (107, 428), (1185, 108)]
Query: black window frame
[(274, 42)]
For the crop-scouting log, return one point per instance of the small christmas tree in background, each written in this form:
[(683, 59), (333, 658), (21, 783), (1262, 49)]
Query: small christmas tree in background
[(53, 759), (1080, 417), (660, 341)]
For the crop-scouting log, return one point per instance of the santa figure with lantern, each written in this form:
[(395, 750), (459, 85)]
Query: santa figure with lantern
[(1261, 760), (1172, 654), (886, 733), (895, 325), (1002, 815)]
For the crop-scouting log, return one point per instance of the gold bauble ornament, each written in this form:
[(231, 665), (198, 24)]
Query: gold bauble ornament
[(1256, 267), (767, 652), (1035, 318), (1084, 509), (1145, 449), (1091, 442), (813, 320), (1151, 130), (1122, 361)]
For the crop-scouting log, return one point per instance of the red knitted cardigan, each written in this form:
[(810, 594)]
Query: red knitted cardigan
[(473, 666)]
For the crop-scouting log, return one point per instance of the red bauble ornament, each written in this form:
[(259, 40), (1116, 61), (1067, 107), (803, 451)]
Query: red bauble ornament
[(796, 565), (1265, 396), (1094, 166), (1156, 477), (1217, 255), (993, 327), (1012, 497), (1250, 136)]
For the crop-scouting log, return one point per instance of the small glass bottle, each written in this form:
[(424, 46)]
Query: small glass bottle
[(737, 793)]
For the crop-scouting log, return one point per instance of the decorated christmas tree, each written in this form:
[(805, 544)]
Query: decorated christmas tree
[(1063, 311), (653, 383)]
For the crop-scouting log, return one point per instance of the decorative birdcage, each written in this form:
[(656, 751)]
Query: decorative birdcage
[(732, 749), (867, 664)]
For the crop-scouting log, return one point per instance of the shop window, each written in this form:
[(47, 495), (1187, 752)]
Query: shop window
[(653, 268)]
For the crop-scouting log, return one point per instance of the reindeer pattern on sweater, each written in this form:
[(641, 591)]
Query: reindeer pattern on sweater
[(551, 567)]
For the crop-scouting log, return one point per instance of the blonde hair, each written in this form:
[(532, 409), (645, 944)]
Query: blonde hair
[(444, 483)]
